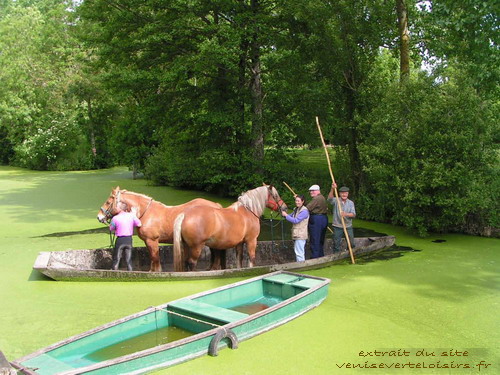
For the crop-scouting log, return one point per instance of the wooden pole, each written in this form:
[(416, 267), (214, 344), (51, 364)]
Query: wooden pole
[(291, 190), (336, 193)]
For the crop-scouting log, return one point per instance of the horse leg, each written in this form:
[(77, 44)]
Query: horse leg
[(186, 250), (215, 259), (154, 255), (194, 254), (251, 246), (222, 256), (239, 255)]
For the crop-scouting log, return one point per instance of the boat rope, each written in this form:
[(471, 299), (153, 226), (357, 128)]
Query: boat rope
[(187, 317)]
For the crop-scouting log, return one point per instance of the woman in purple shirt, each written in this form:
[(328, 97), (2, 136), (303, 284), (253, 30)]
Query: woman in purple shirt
[(299, 218), (123, 225)]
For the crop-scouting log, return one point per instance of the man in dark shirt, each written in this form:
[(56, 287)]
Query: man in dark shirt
[(318, 221)]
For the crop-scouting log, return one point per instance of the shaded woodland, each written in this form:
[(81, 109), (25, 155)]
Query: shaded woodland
[(221, 95)]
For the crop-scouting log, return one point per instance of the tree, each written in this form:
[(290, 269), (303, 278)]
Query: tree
[(463, 33), (437, 170), (404, 39), (37, 56)]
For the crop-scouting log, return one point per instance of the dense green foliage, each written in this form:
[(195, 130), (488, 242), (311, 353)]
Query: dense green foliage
[(221, 95), (437, 140)]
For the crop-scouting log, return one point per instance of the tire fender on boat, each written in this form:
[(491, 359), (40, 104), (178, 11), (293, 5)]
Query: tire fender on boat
[(220, 335)]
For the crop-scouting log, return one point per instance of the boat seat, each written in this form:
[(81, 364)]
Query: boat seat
[(306, 283), (281, 278), (208, 311), (302, 282)]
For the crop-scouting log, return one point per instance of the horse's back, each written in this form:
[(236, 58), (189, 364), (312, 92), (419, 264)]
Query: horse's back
[(158, 222), (220, 228), (201, 202)]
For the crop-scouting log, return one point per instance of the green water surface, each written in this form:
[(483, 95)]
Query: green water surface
[(441, 298)]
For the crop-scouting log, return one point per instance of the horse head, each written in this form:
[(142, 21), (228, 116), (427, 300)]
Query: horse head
[(108, 209), (274, 201)]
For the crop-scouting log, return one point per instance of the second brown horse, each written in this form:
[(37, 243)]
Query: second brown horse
[(223, 228)]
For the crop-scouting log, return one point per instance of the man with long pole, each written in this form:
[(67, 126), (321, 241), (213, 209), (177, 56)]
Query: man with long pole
[(345, 207)]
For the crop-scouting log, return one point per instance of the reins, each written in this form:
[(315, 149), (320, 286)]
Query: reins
[(111, 240)]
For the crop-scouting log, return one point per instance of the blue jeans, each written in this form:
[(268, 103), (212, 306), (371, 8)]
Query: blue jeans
[(317, 229), (338, 234)]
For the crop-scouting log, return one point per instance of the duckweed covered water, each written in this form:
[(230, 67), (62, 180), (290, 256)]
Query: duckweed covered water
[(438, 297)]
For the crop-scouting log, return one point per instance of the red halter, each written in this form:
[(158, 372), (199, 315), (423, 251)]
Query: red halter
[(271, 200)]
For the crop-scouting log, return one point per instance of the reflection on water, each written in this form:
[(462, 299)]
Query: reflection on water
[(148, 340), (390, 253)]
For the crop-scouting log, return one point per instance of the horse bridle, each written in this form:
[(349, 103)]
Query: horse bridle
[(108, 211), (274, 201)]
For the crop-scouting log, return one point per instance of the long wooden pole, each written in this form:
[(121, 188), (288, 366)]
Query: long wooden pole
[(291, 190), (336, 193)]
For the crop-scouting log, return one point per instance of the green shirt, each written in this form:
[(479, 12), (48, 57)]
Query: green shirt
[(317, 205)]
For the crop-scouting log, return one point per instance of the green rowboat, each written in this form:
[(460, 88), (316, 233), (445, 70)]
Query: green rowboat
[(181, 330)]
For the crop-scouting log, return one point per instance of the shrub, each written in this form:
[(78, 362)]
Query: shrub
[(429, 157)]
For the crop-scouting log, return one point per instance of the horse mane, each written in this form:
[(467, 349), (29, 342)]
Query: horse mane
[(254, 200), (134, 193), (141, 195)]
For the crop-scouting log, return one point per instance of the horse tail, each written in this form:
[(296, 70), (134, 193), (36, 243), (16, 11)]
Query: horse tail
[(178, 246)]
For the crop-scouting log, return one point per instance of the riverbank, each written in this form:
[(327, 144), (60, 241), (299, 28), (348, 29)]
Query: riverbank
[(439, 297)]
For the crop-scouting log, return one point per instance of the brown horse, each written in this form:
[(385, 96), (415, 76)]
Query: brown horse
[(157, 219), (223, 228)]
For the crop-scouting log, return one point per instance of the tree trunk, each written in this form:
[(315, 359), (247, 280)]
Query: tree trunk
[(404, 40), (91, 127), (256, 89), (352, 82), (242, 69), (350, 92)]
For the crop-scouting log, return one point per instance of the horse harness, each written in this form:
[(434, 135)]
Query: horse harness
[(275, 201)]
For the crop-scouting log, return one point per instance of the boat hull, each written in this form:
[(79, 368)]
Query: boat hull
[(217, 318), (95, 264)]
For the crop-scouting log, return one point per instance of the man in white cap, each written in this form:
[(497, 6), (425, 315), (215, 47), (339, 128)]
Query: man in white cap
[(318, 221)]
